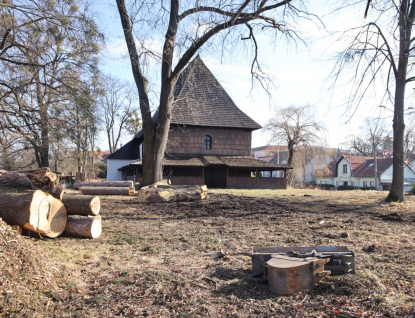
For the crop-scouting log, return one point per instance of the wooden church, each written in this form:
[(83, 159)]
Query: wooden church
[(209, 140)]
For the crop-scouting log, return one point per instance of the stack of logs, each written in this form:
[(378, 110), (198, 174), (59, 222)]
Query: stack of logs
[(105, 187), (44, 210)]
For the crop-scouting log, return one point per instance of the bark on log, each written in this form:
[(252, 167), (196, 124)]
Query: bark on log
[(34, 211), (42, 178), (82, 204), (174, 194), (86, 227), (78, 185), (57, 193), (106, 191), (164, 182)]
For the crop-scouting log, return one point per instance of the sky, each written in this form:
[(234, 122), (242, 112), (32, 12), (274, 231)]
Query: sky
[(300, 75)]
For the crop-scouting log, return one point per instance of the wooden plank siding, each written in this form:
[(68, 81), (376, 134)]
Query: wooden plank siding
[(188, 140), (178, 180), (256, 183)]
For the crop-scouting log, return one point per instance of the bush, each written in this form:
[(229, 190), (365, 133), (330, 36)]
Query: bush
[(102, 170), (412, 188), (326, 185), (354, 188)]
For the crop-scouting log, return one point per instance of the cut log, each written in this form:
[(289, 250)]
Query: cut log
[(16, 180), (106, 191), (35, 211), (164, 182), (174, 194), (42, 178), (82, 204), (84, 226), (78, 185), (57, 218), (57, 193)]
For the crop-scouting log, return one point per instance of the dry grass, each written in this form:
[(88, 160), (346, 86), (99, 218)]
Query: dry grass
[(149, 260)]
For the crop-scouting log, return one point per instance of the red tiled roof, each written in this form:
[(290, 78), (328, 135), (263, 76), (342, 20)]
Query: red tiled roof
[(367, 169), (356, 162)]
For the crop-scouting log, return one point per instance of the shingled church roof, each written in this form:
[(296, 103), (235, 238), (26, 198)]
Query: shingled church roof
[(200, 100)]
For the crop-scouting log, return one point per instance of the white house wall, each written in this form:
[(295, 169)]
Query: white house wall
[(325, 181), (112, 168), (359, 181), (408, 173)]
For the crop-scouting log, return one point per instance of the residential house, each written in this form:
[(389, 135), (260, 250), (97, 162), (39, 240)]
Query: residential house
[(209, 140), (305, 161), (360, 172)]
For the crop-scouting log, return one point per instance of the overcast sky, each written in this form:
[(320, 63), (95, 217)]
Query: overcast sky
[(301, 76)]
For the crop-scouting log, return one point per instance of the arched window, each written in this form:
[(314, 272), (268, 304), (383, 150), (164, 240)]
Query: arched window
[(207, 142)]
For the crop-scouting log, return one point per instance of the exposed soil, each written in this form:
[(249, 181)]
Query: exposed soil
[(149, 260)]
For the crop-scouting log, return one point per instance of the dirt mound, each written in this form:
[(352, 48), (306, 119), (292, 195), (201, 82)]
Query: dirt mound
[(26, 275)]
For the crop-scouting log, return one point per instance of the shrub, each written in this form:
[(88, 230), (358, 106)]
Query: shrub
[(343, 187), (326, 185), (102, 170), (412, 188)]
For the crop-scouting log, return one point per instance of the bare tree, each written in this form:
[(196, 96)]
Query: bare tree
[(117, 104), (382, 52), (46, 48), (186, 27), (307, 159), (373, 134), (295, 126)]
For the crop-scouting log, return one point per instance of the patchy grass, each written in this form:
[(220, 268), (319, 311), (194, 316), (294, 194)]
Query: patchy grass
[(149, 260)]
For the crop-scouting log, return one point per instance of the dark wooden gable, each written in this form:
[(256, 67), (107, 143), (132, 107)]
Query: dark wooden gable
[(200, 100)]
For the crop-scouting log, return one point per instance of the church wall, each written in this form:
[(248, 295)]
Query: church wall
[(188, 140)]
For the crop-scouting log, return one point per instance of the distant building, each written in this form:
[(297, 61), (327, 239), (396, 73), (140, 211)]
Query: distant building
[(360, 172), (305, 161)]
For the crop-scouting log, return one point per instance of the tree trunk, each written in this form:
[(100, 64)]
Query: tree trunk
[(175, 194), (34, 211), (85, 227), (405, 27), (82, 205), (106, 190), (78, 185)]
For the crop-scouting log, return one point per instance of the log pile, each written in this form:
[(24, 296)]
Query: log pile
[(105, 188), (44, 210), (164, 193), (83, 216)]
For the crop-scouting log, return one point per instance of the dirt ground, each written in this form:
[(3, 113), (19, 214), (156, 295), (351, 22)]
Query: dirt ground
[(149, 261)]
